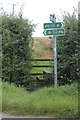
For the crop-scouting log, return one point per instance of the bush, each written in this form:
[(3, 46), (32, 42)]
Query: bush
[(16, 49), (67, 46)]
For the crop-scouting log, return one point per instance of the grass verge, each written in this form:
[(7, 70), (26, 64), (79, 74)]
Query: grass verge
[(60, 102)]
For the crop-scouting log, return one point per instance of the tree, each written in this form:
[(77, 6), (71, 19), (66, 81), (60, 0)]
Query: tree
[(16, 49), (67, 46)]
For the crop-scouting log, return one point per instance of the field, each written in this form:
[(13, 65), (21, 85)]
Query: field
[(43, 47), (60, 102)]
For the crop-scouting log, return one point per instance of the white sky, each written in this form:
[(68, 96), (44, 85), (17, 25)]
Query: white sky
[(38, 11)]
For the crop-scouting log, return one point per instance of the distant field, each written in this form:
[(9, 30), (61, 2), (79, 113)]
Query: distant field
[(43, 47), (60, 102)]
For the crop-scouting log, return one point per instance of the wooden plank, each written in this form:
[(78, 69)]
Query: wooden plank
[(40, 78), (47, 72), (39, 59), (42, 66), (36, 74)]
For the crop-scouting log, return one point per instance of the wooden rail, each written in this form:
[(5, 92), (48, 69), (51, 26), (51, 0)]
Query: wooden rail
[(42, 59), (41, 66), (34, 74)]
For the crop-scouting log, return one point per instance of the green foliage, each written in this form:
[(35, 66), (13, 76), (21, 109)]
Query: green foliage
[(16, 49), (60, 102), (67, 46)]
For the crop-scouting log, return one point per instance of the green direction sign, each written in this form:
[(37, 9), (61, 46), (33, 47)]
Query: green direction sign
[(56, 32), (53, 25)]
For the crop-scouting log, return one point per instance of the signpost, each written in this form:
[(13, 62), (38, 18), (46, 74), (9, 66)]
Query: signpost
[(53, 25), (55, 29), (56, 32)]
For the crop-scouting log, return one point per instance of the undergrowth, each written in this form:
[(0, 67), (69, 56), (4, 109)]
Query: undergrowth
[(54, 102)]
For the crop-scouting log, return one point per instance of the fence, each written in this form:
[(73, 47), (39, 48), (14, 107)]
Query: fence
[(41, 66), (41, 79)]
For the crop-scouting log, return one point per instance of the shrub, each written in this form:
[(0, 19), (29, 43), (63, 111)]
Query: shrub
[(16, 49), (67, 46)]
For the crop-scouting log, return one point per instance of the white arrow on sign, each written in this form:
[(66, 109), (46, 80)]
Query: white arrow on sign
[(62, 25), (44, 32)]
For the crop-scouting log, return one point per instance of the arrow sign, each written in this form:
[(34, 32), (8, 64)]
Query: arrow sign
[(44, 32), (53, 25), (56, 32)]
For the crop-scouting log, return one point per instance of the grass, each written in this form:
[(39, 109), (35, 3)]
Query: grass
[(39, 49), (60, 102)]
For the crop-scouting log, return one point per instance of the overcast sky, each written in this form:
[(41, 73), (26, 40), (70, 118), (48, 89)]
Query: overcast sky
[(38, 11)]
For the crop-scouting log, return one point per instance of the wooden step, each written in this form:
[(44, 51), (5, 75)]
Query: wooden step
[(47, 74), (40, 78)]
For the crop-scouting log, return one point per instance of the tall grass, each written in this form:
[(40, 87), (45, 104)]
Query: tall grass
[(60, 102)]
